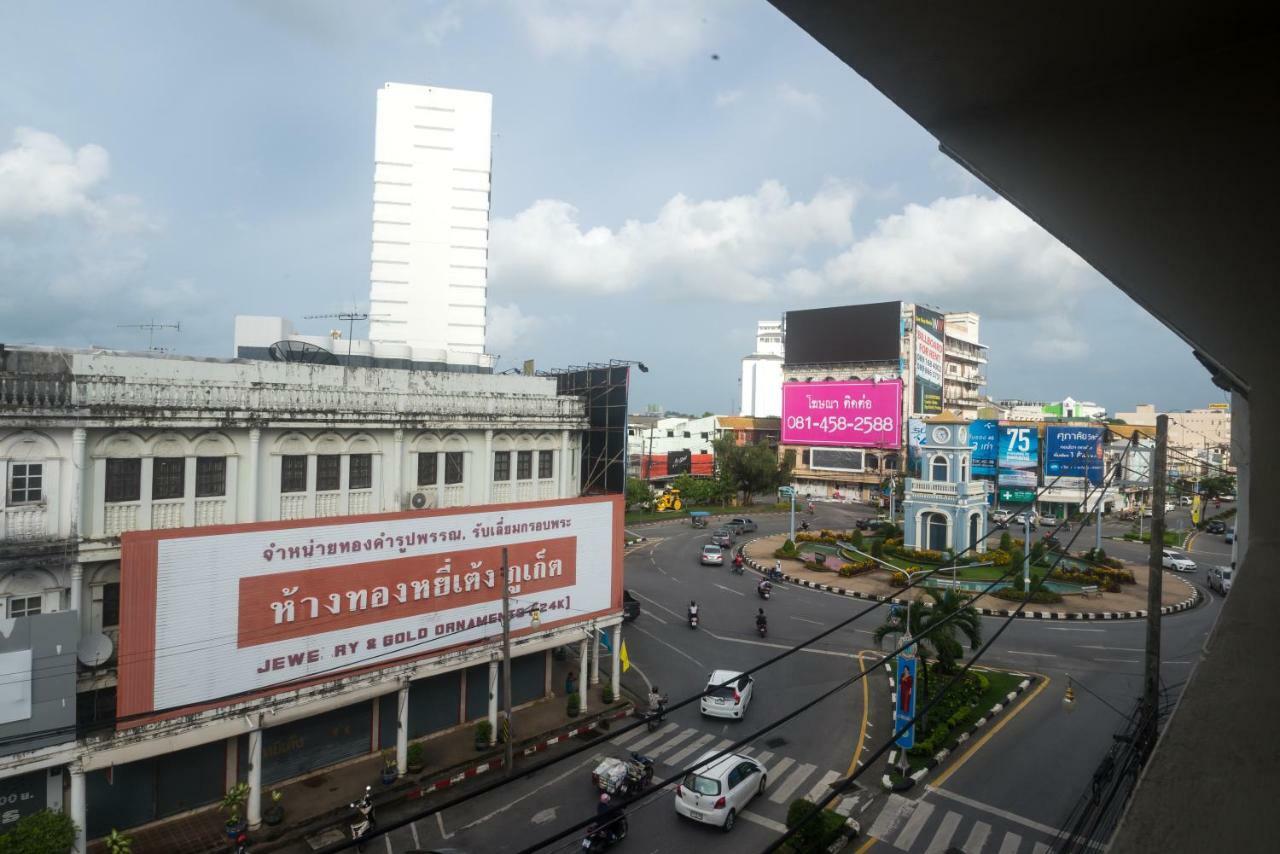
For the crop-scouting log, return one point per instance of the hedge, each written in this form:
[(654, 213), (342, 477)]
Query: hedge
[(816, 834)]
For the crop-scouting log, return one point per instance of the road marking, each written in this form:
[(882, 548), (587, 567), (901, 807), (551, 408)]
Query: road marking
[(820, 788), (731, 590), (946, 830), (627, 736), (907, 837), (779, 767), (1000, 724), (678, 757), (1010, 843), (671, 742), (654, 736), (861, 744), (866, 846), (811, 622), (1036, 654), (1004, 814), (787, 789), (653, 616), (386, 837), (1040, 848), (722, 744), (676, 649), (1064, 629), (775, 826), (413, 831), (763, 757), (977, 837), (509, 804), (1118, 660), (1111, 648), (659, 604), (750, 642), (1176, 662), (440, 824)]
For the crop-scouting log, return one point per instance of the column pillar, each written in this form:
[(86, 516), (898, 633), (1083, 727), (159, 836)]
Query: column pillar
[(395, 478), (253, 808), (486, 468), (79, 807), (77, 481), (402, 730), (77, 591), (595, 656), (584, 650), (255, 439), (493, 702), (617, 662), (563, 471)]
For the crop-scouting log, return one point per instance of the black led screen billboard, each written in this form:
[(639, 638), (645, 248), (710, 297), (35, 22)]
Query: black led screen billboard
[(847, 333)]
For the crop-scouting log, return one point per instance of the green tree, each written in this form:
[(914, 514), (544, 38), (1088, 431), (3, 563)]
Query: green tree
[(701, 491), (1218, 485), (749, 469), (1006, 542), (936, 634), (44, 832), (638, 492)]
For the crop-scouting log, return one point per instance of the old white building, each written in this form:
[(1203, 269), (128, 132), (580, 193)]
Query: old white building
[(94, 444)]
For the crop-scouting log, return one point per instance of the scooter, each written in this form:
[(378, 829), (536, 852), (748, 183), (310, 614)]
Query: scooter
[(602, 838), (364, 823), (762, 628), (655, 718), (242, 843), (736, 568), (764, 592), (804, 526), (693, 619)]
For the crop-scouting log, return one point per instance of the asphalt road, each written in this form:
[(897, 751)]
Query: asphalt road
[(1008, 792)]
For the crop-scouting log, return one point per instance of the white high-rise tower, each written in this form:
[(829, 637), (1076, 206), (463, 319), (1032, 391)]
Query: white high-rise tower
[(762, 373), (430, 267)]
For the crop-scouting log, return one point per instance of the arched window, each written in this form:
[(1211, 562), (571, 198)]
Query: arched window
[(941, 471), (871, 462), (974, 533), (935, 531)]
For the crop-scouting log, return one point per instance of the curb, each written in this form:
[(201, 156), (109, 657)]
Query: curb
[(1184, 605), (443, 779), (939, 757)]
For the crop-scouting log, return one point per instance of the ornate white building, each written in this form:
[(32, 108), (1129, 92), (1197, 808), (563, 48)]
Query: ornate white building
[(946, 509)]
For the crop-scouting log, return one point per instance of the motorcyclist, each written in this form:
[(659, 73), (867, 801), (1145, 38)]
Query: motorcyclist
[(693, 609), (761, 619), (776, 572), (765, 586), (737, 560), (614, 827), (656, 701), (804, 526)]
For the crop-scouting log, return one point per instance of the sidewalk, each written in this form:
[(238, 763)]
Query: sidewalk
[(321, 799)]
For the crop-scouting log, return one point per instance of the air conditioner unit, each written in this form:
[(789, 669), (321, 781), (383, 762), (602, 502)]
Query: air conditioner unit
[(419, 500)]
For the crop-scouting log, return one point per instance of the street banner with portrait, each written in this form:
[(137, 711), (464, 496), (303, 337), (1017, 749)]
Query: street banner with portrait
[(904, 701)]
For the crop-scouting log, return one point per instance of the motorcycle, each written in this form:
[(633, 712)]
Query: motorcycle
[(763, 591), (364, 823), (623, 777), (604, 837), (762, 627), (693, 619), (655, 718), (736, 569), (242, 844), (804, 526)]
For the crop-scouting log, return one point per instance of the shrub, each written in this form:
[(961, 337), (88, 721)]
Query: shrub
[(898, 579), (856, 539), (44, 831), (877, 549), (1006, 542), (484, 729), (415, 756), (998, 557), (925, 555), (816, 833), (862, 567), (606, 694), (118, 843)]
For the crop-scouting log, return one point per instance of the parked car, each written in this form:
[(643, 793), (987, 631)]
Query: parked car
[(712, 555), (1220, 579), (716, 792), (743, 525), (722, 537), (1177, 562), (1216, 527), (630, 606), (729, 701), (1226, 498), (1231, 535)]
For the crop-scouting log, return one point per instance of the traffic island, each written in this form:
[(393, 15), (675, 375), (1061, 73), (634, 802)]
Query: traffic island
[(981, 698)]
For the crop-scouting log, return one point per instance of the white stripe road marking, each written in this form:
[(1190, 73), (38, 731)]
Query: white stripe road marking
[(907, 837), (413, 831), (662, 733), (654, 752), (782, 646), (553, 781), (1008, 816), (1064, 629), (1010, 843), (1036, 654), (776, 771), (627, 736), (793, 781), (1110, 648), (820, 789), (811, 622), (653, 616), (764, 757), (386, 837), (775, 826), (1040, 848), (679, 756), (977, 837), (731, 590), (1119, 660), (946, 830), (722, 744)]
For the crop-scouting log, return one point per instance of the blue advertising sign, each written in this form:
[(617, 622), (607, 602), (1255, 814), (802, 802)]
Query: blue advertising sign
[(1074, 452), (915, 438), (1019, 455), (983, 440), (904, 703)]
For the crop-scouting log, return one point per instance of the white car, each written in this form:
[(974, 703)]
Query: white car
[(1185, 501), (730, 700), (712, 555), (1220, 579), (719, 790), (1177, 562)]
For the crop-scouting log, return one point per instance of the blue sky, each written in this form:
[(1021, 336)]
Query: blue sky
[(190, 162)]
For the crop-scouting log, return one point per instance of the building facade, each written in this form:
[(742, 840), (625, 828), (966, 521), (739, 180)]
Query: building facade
[(95, 445), (945, 509), (966, 363), (761, 379)]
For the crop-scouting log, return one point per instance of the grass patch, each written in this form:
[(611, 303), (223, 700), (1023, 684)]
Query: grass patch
[(981, 690), (1171, 538)]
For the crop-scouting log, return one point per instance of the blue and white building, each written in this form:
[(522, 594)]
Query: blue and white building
[(945, 509)]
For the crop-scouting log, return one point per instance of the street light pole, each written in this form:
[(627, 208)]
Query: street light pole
[(1026, 550), (793, 514)]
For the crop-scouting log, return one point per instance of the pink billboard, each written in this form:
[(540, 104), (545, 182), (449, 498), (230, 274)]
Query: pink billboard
[(858, 413)]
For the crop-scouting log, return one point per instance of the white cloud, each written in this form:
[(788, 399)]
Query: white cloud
[(731, 248), (41, 176), (507, 325), (439, 23), (641, 34), (733, 96), (806, 102)]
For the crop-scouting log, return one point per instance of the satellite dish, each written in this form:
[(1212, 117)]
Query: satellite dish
[(301, 351), (95, 650)]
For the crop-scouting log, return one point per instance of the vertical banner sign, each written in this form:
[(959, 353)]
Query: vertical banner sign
[(904, 701), (929, 358), (1019, 453), (915, 438), (983, 439), (1195, 510), (1074, 452)]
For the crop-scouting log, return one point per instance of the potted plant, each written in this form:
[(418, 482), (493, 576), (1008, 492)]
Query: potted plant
[(388, 767), (606, 694), (233, 805), (118, 843), (575, 705), (274, 814), (415, 757), (484, 734)]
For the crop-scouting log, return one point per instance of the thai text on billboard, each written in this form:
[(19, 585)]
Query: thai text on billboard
[(929, 354), (1074, 452), (983, 439), (858, 413), (1019, 455), (232, 611)]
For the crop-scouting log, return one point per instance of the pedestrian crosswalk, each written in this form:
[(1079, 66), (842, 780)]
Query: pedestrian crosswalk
[(674, 746), (925, 827)]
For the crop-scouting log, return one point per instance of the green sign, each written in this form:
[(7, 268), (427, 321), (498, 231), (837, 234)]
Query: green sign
[(1016, 496)]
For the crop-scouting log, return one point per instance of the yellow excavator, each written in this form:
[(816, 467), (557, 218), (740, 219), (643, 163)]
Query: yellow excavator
[(669, 500)]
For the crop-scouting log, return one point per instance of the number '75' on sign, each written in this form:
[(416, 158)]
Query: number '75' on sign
[(1019, 440)]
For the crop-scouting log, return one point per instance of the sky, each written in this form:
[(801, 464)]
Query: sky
[(666, 173)]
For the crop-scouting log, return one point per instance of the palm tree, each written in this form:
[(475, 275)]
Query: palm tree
[(936, 633)]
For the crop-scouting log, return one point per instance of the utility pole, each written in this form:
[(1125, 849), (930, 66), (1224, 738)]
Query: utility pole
[(793, 514), (1026, 550), (1097, 541), (893, 493), (1155, 571), (506, 662)]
